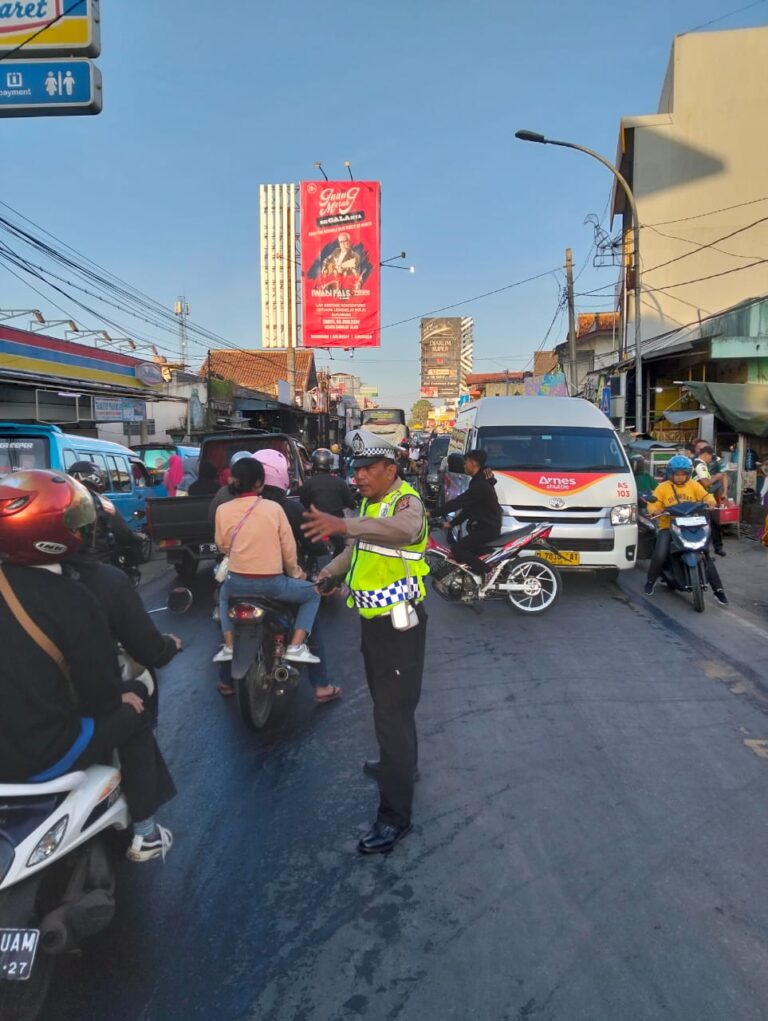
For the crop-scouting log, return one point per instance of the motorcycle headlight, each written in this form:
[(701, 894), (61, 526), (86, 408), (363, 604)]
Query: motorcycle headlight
[(7, 855), (49, 842), (624, 514)]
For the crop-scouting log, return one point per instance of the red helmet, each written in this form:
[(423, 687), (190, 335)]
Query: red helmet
[(42, 516)]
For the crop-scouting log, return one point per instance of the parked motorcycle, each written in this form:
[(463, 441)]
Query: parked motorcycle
[(686, 566), (529, 583), (261, 630)]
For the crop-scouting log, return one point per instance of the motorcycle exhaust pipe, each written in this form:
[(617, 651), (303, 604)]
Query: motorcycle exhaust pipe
[(282, 674), (56, 934)]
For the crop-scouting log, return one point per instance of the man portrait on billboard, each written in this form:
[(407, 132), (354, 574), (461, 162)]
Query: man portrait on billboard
[(342, 268)]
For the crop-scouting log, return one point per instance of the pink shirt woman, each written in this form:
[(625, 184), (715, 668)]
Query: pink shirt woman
[(174, 474)]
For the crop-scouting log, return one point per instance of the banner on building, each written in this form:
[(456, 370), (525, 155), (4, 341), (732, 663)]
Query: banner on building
[(551, 385), (441, 357), (340, 256)]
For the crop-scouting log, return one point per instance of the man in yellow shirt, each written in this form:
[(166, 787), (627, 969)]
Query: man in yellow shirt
[(679, 488)]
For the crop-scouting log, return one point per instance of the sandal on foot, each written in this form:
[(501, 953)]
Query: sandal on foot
[(225, 689), (336, 693)]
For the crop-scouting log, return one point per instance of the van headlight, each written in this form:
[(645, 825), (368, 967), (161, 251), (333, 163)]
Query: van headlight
[(624, 514)]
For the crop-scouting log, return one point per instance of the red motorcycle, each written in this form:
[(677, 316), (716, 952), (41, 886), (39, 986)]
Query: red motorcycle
[(529, 582)]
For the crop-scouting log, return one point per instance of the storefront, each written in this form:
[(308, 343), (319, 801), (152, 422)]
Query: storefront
[(43, 379)]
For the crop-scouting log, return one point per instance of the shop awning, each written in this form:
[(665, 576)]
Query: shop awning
[(744, 406), (677, 417)]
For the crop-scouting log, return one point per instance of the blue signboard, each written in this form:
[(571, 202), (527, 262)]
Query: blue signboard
[(605, 400), (45, 88)]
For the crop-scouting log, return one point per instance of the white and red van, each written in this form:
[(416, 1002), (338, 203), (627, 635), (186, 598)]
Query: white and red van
[(556, 459)]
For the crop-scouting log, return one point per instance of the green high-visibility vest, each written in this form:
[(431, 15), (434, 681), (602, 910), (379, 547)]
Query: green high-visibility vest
[(380, 577)]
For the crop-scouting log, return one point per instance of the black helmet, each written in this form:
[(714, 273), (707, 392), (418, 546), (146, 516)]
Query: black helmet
[(637, 464), (322, 459), (89, 474)]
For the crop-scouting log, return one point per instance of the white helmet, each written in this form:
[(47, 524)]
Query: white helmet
[(239, 455)]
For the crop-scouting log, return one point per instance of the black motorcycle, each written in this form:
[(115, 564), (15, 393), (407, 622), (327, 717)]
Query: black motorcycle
[(262, 628), (686, 567)]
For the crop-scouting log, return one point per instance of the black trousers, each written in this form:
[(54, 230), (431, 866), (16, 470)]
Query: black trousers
[(147, 784), (394, 664), (661, 552), (473, 542)]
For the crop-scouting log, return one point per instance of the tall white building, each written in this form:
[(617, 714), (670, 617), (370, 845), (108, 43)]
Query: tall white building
[(278, 222)]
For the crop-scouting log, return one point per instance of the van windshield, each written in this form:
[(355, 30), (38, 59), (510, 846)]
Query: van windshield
[(562, 448), (19, 453)]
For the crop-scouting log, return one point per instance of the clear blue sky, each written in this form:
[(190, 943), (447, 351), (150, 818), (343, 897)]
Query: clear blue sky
[(203, 101)]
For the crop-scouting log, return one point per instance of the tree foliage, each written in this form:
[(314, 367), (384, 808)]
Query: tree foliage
[(420, 412)]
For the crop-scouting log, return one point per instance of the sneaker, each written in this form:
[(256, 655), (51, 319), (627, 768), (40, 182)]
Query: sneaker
[(721, 597), (300, 654), (155, 846), (721, 552), (649, 587), (224, 655)]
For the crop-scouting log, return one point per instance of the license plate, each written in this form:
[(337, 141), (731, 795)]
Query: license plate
[(563, 558), (17, 953), (693, 522), (209, 547)]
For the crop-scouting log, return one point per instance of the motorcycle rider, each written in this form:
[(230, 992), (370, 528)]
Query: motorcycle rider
[(70, 712), (327, 492), (225, 493), (256, 536), (276, 483), (479, 506), (112, 531), (679, 488)]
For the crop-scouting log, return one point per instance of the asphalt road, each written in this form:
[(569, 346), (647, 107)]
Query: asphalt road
[(591, 832)]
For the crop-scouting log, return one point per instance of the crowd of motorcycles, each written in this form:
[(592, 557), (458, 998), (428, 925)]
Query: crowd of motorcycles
[(58, 840)]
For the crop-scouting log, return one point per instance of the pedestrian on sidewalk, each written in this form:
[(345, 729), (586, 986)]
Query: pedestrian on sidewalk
[(385, 568)]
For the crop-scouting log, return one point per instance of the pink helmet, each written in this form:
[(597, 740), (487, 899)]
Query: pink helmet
[(275, 468)]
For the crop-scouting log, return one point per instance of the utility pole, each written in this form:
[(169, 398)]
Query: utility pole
[(182, 311), (571, 321)]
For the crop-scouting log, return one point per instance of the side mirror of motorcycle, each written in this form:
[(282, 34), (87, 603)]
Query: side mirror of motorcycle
[(179, 600)]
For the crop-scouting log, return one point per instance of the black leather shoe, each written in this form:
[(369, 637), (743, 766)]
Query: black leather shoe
[(721, 552), (371, 768), (382, 838)]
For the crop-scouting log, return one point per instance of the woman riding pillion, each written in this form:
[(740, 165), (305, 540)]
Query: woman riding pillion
[(256, 536), (679, 488)]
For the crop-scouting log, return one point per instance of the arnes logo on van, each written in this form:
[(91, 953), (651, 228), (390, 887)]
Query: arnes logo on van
[(555, 482)]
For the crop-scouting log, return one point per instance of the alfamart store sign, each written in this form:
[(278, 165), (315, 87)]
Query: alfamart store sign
[(65, 29)]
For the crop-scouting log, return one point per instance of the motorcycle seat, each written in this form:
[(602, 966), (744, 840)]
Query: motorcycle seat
[(265, 602), (516, 533)]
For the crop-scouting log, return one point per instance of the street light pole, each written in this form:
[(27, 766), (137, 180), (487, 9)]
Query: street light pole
[(533, 136)]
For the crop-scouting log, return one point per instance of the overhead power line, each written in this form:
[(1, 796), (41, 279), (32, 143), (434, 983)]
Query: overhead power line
[(724, 17)]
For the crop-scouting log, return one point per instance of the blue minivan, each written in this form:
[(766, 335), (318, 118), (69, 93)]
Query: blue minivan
[(29, 445)]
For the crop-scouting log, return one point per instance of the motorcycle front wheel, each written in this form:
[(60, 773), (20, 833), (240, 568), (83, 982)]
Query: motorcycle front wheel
[(541, 585), (256, 693), (697, 590)]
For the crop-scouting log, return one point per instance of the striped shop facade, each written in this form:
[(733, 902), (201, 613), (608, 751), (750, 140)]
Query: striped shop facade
[(36, 356)]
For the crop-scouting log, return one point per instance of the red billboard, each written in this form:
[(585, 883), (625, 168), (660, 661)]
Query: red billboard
[(340, 255)]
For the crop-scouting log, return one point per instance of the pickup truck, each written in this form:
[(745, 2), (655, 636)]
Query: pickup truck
[(180, 526)]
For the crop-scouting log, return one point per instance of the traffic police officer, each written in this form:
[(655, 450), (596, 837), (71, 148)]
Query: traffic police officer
[(385, 568)]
